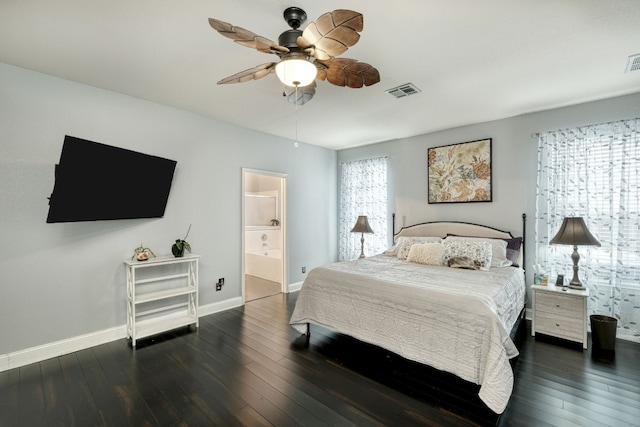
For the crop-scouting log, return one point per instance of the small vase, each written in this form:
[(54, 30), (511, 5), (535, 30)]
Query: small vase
[(178, 252)]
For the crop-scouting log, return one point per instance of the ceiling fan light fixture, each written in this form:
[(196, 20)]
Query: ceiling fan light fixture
[(296, 70)]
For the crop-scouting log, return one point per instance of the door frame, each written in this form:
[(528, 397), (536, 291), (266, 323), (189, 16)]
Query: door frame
[(283, 226)]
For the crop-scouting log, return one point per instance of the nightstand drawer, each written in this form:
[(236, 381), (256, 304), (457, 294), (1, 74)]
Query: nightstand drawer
[(560, 304), (559, 326)]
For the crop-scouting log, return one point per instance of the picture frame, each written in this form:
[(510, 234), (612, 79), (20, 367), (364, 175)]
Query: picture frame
[(460, 173)]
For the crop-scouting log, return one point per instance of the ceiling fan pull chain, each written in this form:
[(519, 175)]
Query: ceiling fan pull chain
[(296, 144)]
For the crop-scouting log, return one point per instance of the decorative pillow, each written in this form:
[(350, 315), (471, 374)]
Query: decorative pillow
[(513, 250), (498, 246), (476, 250), (404, 244), (393, 250), (463, 262), (426, 253)]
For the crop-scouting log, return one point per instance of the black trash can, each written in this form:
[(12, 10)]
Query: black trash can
[(603, 333)]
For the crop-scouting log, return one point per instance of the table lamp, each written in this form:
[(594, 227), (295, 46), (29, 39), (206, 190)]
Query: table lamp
[(362, 226), (574, 231)]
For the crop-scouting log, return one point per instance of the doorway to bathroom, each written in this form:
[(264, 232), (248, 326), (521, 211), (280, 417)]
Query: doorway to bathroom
[(264, 228)]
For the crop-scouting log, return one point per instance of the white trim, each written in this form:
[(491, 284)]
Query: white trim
[(82, 342), (295, 287), (216, 307), (58, 348)]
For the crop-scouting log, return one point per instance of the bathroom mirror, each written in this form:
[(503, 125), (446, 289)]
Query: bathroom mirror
[(261, 208)]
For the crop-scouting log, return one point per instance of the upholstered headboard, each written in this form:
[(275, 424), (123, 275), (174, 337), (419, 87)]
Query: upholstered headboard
[(443, 228)]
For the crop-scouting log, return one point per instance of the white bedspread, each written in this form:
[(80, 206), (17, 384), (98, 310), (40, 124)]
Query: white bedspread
[(451, 319)]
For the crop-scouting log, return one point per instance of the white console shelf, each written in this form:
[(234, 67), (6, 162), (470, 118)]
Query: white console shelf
[(157, 301)]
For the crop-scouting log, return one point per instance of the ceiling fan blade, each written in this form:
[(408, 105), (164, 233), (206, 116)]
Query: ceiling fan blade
[(254, 73), (350, 72), (332, 34), (246, 37), (300, 96), (322, 72)]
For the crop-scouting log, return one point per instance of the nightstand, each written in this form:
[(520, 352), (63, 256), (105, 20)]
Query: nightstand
[(561, 314)]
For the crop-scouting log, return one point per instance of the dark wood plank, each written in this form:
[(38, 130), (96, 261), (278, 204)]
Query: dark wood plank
[(137, 379), (192, 387), (31, 395), (80, 403), (10, 397), (55, 394), (105, 397)]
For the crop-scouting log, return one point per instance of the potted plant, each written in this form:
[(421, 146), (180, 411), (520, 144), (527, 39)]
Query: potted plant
[(178, 248), (141, 253)]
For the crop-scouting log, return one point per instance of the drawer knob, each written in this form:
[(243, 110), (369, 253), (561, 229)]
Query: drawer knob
[(557, 324), (557, 305)]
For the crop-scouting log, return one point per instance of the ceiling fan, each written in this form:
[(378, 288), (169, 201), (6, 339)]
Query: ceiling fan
[(306, 55)]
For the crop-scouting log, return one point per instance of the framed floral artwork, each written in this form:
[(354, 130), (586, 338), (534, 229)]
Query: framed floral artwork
[(460, 173)]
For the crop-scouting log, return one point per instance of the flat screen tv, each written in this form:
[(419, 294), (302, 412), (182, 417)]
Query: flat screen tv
[(95, 182)]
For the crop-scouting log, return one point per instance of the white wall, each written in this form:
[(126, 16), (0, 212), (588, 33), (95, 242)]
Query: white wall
[(514, 165), (59, 281)]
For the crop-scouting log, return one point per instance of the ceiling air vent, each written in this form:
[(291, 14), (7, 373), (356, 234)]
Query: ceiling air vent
[(403, 90), (633, 64)]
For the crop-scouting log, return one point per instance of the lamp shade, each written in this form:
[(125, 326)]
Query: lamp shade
[(296, 71), (362, 225), (574, 231)]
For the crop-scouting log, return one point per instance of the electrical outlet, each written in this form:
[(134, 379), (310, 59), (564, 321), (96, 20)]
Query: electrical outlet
[(304, 269), (218, 287), (221, 280)]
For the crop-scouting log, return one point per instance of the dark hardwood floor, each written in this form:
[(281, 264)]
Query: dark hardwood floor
[(246, 366)]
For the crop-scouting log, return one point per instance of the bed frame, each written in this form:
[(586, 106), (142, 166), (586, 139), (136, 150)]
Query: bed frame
[(422, 381)]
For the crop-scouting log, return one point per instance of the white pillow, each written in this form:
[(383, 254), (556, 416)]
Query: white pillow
[(426, 253), (404, 244), (393, 250), (498, 248), (477, 251)]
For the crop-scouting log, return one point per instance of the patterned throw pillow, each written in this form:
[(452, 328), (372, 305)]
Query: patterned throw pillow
[(498, 247), (478, 251)]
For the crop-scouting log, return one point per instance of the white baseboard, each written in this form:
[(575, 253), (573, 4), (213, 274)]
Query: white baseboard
[(294, 287), (58, 348), (216, 307), (81, 342)]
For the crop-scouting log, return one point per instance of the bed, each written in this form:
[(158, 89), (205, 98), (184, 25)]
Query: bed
[(457, 320)]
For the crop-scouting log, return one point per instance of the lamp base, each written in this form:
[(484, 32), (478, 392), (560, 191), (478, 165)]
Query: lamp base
[(575, 282), (361, 246)]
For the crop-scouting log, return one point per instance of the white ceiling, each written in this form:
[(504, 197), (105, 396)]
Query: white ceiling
[(473, 60)]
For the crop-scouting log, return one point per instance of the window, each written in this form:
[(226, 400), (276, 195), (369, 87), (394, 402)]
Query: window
[(363, 191), (594, 172)]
